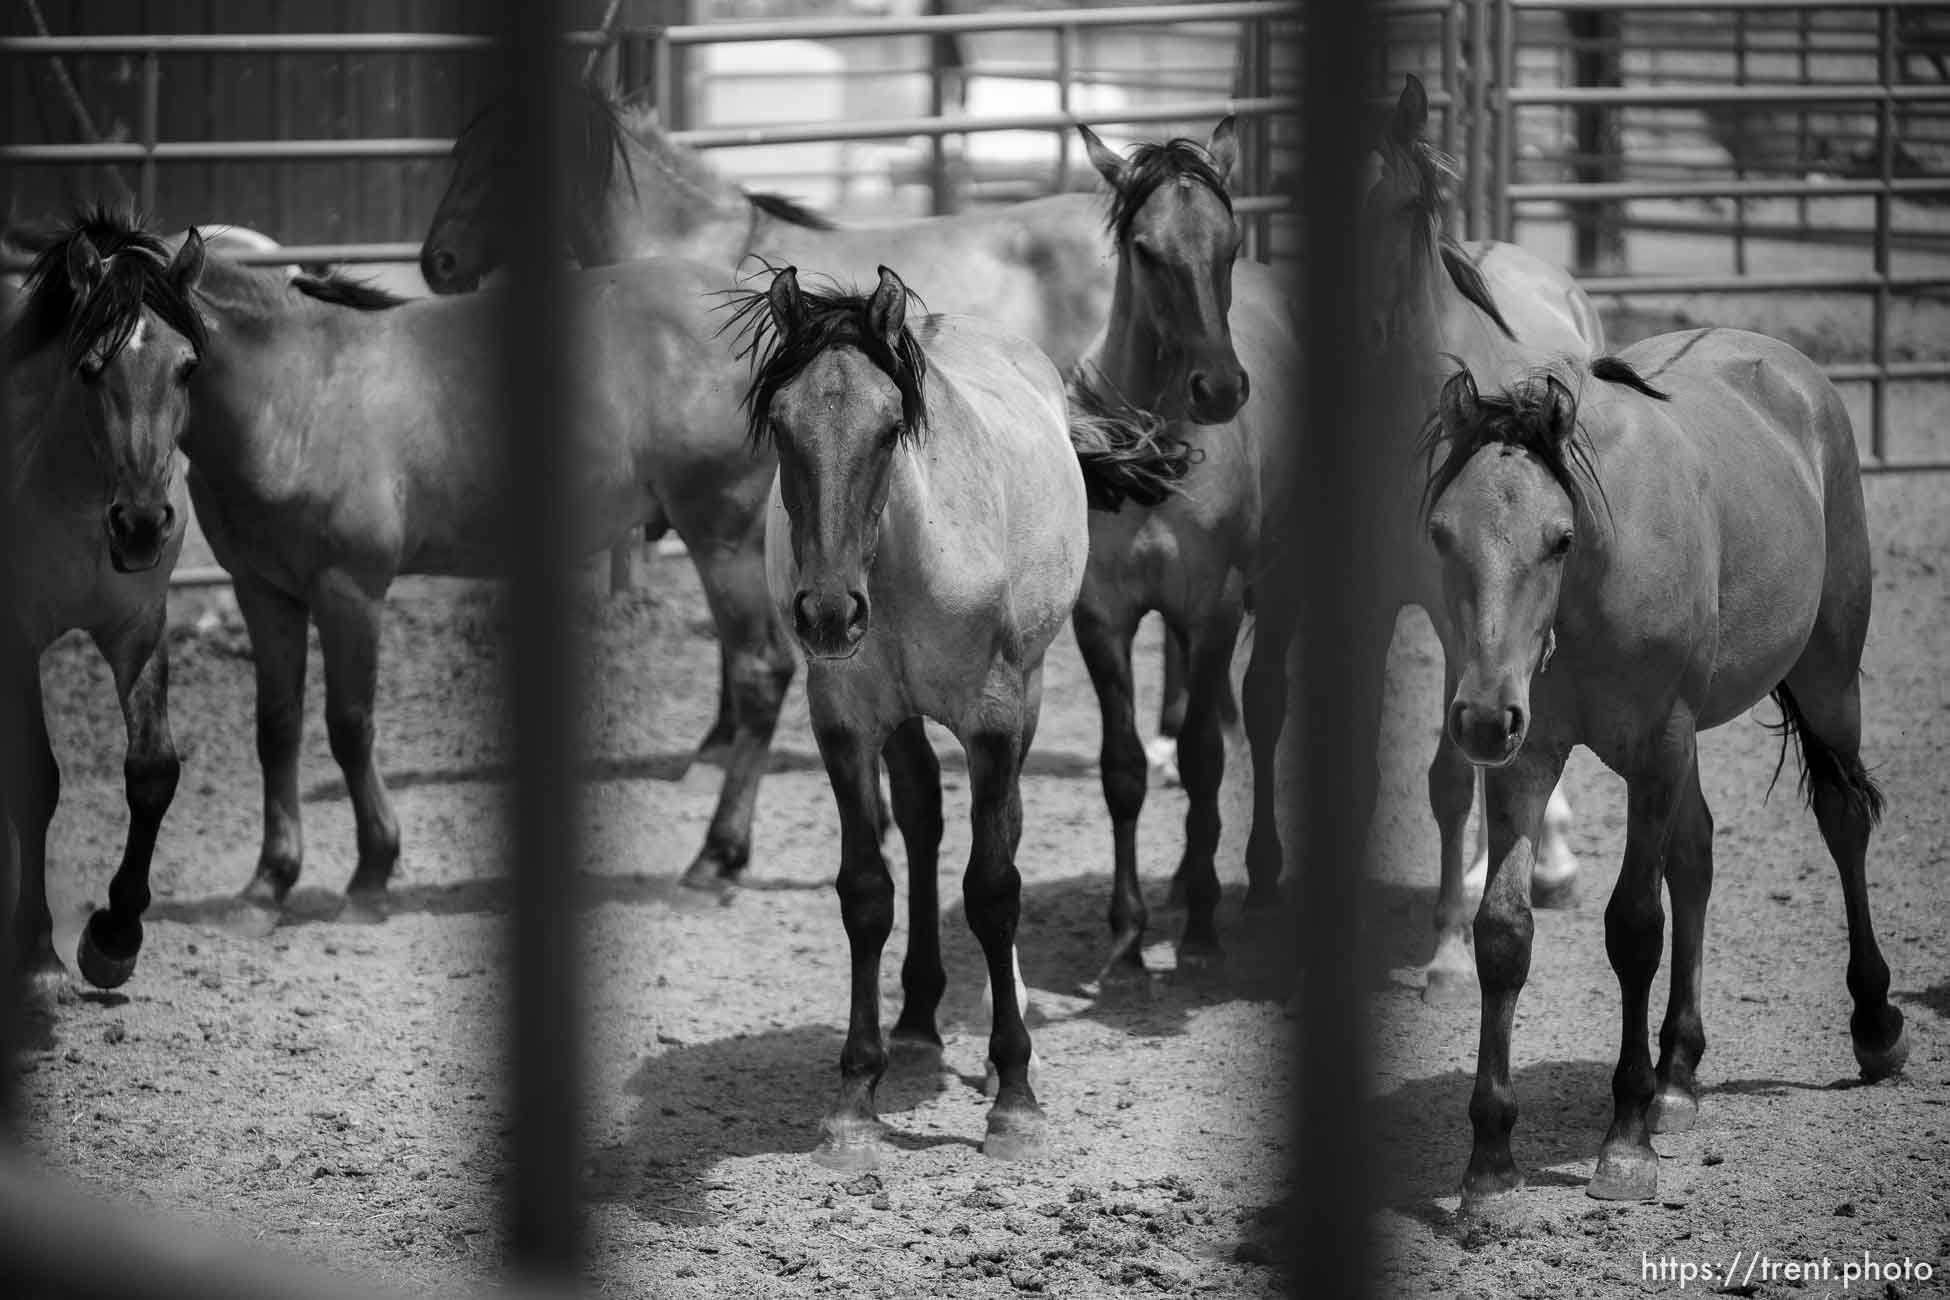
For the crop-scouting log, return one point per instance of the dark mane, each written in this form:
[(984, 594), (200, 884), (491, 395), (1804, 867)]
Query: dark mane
[(789, 210), (834, 318), (342, 290), (1150, 165), (1431, 172), (135, 265), (1126, 454), (1537, 414)]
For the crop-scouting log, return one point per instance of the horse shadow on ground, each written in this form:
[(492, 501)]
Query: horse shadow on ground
[(1422, 1134), (749, 1095), (489, 895), (672, 766), (1934, 999)]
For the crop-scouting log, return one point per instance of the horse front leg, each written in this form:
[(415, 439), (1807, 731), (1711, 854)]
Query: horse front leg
[(992, 899), (276, 623), (1452, 791), (1266, 706), (34, 790), (348, 633), (1514, 805), (1104, 636), (915, 774), (759, 664), (112, 939), (1202, 766), (1662, 792), (850, 1132), (1162, 751)]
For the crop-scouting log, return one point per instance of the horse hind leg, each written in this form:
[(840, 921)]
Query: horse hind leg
[(34, 793), (1827, 721), (915, 774), (1266, 698), (1104, 637), (348, 633), (112, 939), (1202, 765), (1682, 1038)]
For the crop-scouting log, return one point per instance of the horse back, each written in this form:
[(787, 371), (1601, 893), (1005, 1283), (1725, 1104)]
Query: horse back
[(1545, 308)]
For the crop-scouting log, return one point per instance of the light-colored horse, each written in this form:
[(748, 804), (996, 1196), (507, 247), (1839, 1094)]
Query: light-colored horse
[(1624, 566), (98, 362), (1040, 268), (1430, 302), (336, 444), (925, 541), (1206, 348)]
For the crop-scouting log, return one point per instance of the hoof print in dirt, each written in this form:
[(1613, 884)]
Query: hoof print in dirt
[(245, 918)]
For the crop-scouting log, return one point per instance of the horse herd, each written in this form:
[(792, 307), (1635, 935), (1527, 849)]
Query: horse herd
[(1617, 550)]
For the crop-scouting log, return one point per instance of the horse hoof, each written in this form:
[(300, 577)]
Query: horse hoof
[(246, 918), (1161, 752), (1559, 894), (992, 1080), (1262, 899), (1879, 1065), (1491, 1192), (44, 980), (363, 907), (708, 874), (1016, 1134), (1625, 1174), (1449, 986), (850, 1146), (104, 964), (1674, 1110)]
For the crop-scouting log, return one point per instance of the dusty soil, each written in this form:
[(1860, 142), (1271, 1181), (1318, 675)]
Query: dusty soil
[(334, 1090)]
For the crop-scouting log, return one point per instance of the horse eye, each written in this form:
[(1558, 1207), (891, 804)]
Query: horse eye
[(1144, 251), (1561, 547), (1440, 537), (188, 368), (90, 372)]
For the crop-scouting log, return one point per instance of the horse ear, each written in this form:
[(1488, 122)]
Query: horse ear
[(187, 266), (1411, 111), (1564, 408), (1224, 146), (1458, 403), (1109, 163), (887, 310), (84, 266), (788, 307)]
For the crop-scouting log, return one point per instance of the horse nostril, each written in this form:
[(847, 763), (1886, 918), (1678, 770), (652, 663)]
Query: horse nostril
[(1513, 722), (1201, 387), (168, 518), (802, 613), (1245, 386), (1456, 717), (857, 620), (118, 520), (443, 263)]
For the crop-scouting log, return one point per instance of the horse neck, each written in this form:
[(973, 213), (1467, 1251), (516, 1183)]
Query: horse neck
[(678, 208), (54, 471), (260, 341), (1139, 360)]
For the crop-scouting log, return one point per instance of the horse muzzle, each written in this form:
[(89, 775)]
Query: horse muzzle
[(831, 624), (138, 535), (1488, 734)]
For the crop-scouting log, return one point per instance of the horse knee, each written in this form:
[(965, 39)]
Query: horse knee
[(150, 781), (1503, 937), (350, 731), (992, 901), (866, 895), (1451, 790), (1634, 932), (1125, 775)]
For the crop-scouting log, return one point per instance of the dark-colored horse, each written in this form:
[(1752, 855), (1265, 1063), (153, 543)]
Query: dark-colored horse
[(99, 357), (1624, 566)]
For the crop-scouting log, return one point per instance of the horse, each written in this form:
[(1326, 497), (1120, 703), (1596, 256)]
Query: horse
[(1204, 350), (1623, 566), (335, 445), (925, 541), (1039, 268), (99, 356), (1426, 302)]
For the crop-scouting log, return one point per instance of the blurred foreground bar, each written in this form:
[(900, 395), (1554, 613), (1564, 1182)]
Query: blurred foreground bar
[(1335, 696), (544, 1049)]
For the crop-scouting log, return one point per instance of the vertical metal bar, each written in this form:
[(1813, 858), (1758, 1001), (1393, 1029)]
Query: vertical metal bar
[(1331, 1252), (661, 65), (1504, 224), (12, 1000), (1259, 135), (544, 1047), (1476, 169), (1885, 173), (1066, 53), (1451, 42), (151, 128), (1739, 163), (939, 184), (1804, 21)]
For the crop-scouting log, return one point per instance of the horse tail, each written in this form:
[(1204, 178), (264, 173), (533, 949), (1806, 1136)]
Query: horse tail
[(1126, 454), (1822, 766)]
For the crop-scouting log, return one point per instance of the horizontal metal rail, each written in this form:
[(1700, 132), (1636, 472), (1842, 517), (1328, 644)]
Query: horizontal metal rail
[(1701, 96), (1800, 282), (1783, 7), (1605, 191), (275, 43), (814, 29)]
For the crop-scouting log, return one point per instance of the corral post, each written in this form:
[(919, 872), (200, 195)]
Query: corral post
[(1476, 169), (11, 992), (944, 61), (544, 1046), (1595, 61)]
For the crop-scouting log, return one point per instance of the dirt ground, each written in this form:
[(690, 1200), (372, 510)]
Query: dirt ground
[(334, 1090)]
